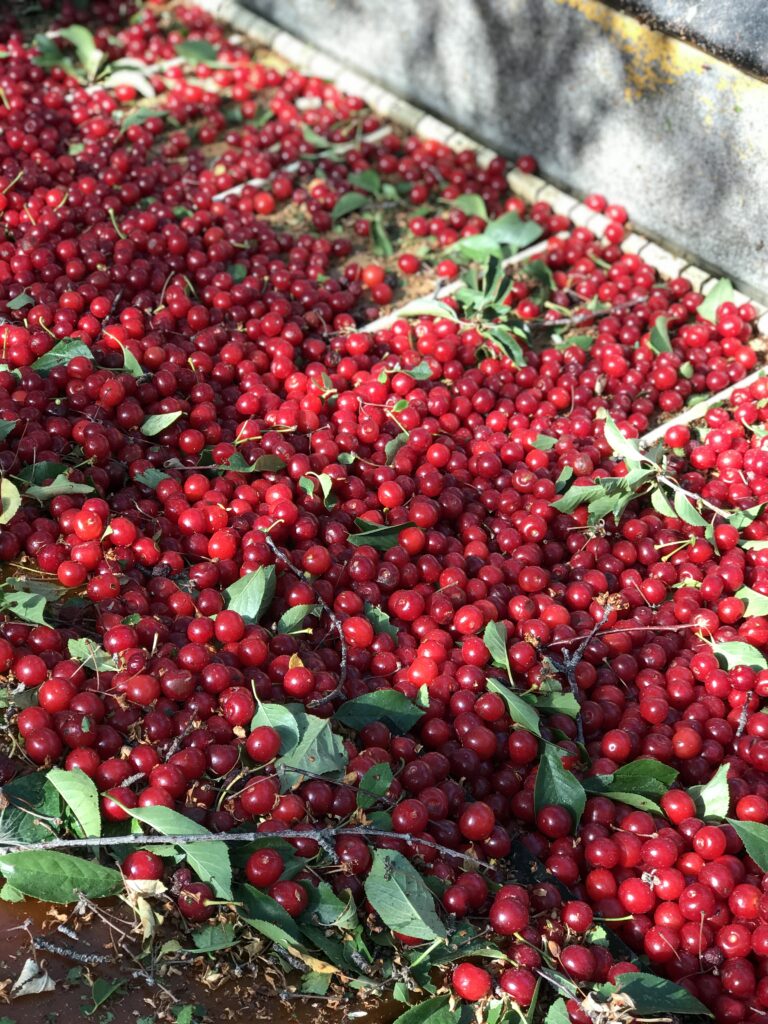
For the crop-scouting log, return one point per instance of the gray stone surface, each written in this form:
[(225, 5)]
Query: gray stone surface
[(603, 102), (736, 31)]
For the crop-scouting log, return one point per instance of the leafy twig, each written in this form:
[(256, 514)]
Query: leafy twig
[(334, 619), (567, 664)]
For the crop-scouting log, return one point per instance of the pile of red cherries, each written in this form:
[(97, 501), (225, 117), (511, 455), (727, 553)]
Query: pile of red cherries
[(235, 321)]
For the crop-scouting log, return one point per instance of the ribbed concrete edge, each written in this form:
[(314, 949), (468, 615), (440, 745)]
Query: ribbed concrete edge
[(529, 187)]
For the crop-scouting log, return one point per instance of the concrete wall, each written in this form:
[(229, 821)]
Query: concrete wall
[(605, 103)]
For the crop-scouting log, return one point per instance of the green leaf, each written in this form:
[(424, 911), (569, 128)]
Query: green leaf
[(660, 336), (555, 785), (755, 838), (476, 248), (214, 937), (539, 271), (50, 56), (506, 341), (643, 803), (544, 443), (436, 1010), (495, 639), (153, 425), (196, 51), (582, 341), (10, 500), (252, 594), (187, 1013), (422, 371), (209, 860), (564, 478), (6, 427), (646, 775), (315, 983), (714, 798), (28, 607), (640, 784), (88, 53), (734, 653), (622, 447), (348, 203), (325, 481), (471, 204), (331, 911), (558, 703), (755, 602), (59, 485), (130, 363), (21, 300), (58, 877), (373, 785), (101, 990), (264, 464), (653, 995), (81, 796), (319, 751), (237, 271), (687, 512), (382, 244), (391, 448), (428, 307), (151, 477), (661, 503), (368, 180), (401, 898), (577, 496), (134, 79), (520, 710), (267, 917), (32, 801), (513, 232), (314, 138), (61, 354), (391, 707), (280, 718), (139, 116), (722, 292), (557, 1013), (291, 621), (91, 656), (380, 620), (10, 895), (380, 537)]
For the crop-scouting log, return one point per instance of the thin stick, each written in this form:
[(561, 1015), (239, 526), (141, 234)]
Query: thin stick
[(143, 839), (69, 954), (335, 622)]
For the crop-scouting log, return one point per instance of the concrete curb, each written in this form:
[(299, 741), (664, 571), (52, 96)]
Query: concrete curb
[(530, 187)]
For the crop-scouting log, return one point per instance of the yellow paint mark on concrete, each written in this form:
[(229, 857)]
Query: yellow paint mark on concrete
[(653, 60)]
